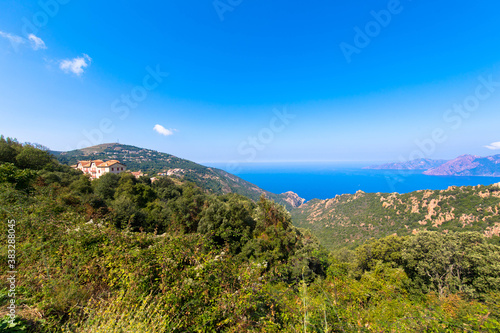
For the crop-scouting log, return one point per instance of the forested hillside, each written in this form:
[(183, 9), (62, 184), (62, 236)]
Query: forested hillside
[(349, 220), (149, 161), (119, 254)]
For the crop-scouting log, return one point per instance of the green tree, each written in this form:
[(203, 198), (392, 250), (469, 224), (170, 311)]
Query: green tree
[(186, 209), (33, 158), (7, 152), (126, 186), (270, 213), (105, 186), (157, 217), (143, 194), (21, 179), (228, 224), (82, 185), (387, 250), (453, 262), (125, 212)]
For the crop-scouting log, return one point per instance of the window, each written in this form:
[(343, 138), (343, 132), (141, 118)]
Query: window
[(112, 169)]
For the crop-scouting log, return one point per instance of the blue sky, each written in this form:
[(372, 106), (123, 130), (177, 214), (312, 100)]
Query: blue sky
[(254, 81)]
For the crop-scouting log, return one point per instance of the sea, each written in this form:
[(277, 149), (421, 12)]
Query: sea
[(326, 180)]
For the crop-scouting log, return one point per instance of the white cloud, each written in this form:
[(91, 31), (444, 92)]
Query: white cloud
[(493, 146), (76, 65), (36, 42), (13, 39), (163, 131)]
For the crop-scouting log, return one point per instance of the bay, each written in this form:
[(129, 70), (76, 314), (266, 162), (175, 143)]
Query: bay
[(326, 180)]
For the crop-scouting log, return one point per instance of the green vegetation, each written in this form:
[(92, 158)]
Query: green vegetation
[(125, 255), (152, 162), (350, 220)]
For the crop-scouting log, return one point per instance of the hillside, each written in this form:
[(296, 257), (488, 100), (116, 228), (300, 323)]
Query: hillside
[(465, 165), (149, 161), (418, 164), (468, 165), (349, 220), (120, 254)]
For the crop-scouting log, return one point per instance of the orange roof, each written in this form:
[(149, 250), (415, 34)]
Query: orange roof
[(108, 163), (98, 163), (85, 164)]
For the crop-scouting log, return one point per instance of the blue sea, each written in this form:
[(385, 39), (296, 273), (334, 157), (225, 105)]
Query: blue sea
[(324, 181)]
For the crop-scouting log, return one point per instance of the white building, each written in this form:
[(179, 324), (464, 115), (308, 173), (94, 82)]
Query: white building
[(98, 168)]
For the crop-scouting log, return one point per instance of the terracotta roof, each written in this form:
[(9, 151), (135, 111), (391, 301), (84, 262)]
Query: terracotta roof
[(108, 163), (99, 163), (85, 164)]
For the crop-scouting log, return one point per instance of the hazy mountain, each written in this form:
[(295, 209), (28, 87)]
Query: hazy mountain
[(465, 165), (468, 165), (151, 162), (418, 164)]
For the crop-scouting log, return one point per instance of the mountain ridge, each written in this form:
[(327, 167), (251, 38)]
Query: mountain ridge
[(464, 165), (417, 164), (350, 219), (468, 165), (152, 162)]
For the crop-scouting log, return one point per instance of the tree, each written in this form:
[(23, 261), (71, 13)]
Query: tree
[(143, 194), (454, 262), (7, 152), (157, 217), (106, 185), (126, 186), (227, 223), (82, 185), (186, 209), (387, 250), (270, 213), (32, 158), (21, 179), (124, 210)]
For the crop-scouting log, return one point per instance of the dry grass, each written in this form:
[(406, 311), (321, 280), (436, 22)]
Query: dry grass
[(120, 315)]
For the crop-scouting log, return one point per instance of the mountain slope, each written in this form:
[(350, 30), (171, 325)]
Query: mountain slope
[(349, 220), (150, 161), (468, 165), (418, 164), (465, 165)]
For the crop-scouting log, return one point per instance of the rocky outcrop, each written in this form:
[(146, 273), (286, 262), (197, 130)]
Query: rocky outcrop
[(355, 218), (293, 199)]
